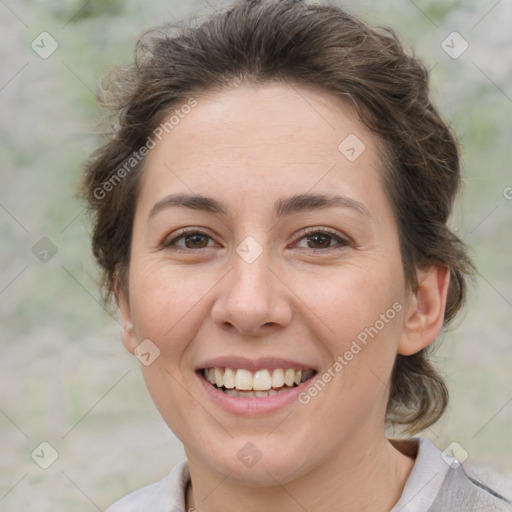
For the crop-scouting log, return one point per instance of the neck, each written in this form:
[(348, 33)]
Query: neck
[(351, 480)]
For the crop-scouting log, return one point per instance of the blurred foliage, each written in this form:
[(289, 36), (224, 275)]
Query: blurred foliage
[(74, 11), (439, 9)]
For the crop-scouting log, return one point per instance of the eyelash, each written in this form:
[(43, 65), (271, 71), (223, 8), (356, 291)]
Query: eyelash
[(342, 242)]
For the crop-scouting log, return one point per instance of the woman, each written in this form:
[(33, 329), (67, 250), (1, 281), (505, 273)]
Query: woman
[(271, 219)]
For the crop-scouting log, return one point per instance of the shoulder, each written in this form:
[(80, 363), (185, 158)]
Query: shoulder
[(166, 495), (466, 491), (439, 483)]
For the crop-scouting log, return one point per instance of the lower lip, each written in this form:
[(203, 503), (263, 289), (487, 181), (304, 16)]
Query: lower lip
[(256, 405)]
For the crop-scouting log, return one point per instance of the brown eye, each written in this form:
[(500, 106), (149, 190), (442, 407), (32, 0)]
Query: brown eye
[(319, 241), (196, 241), (190, 240), (322, 239)]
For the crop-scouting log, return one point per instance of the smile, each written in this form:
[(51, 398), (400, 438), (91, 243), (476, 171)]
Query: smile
[(243, 383)]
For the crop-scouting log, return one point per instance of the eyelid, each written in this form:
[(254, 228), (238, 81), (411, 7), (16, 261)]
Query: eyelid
[(342, 239), (169, 239)]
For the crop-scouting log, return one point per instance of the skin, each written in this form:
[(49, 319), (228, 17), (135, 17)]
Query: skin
[(302, 298)]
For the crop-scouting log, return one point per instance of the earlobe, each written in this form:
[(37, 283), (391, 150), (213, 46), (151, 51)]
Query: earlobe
[(127, 328), (425, 315), (127, 337)]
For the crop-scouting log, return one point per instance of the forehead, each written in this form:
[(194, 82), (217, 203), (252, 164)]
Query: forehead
[(263, 141)]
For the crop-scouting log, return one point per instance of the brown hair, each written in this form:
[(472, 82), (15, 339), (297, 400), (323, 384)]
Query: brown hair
[(314, 45)]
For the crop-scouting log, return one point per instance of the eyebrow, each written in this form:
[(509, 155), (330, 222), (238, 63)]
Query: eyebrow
[(282, 207)]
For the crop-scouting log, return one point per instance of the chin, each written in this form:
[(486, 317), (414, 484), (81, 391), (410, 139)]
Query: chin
[(257, 462)]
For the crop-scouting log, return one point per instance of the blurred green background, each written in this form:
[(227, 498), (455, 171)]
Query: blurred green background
[(65, 378)]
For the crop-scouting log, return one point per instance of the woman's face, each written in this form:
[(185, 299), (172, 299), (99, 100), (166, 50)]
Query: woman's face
[(264, 243)]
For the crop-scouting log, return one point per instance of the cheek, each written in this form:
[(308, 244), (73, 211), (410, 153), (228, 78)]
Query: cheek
[(166, 304), (359, 308), (348, 299), (167, 308)]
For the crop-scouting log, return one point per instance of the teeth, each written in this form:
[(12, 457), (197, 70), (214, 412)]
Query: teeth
[(307, 374), (289, 377), (262, 381), (218, 377), (277, 378), (229, 379), (241, 382), (255, 394)]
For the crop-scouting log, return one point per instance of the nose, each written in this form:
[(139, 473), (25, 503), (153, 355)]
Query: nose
[(252, 298)]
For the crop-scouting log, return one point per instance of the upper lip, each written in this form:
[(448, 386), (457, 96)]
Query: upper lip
[(261, 363)]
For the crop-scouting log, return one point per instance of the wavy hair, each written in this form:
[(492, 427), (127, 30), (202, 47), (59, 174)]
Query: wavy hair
[(330, 49)]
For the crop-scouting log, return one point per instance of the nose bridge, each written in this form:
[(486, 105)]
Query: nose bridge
[(251, 299), (251, 274)]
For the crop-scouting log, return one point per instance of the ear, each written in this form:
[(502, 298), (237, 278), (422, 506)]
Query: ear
[(127, 329), (425, 312)]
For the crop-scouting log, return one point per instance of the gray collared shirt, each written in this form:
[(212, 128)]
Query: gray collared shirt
[(436, 484)]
